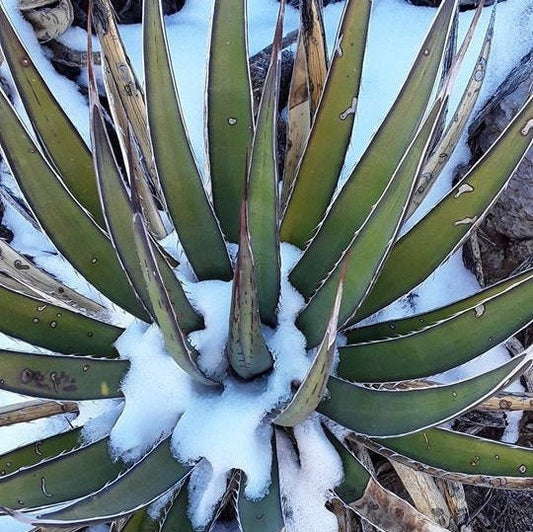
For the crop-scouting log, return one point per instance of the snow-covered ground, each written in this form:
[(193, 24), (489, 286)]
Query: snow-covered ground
[(223, 429)]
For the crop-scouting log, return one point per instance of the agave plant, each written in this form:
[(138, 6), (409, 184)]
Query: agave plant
[(108, 209)]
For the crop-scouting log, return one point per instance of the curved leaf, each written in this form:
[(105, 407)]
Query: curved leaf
[(447, 344), (186, 198), (447, 225), (33, 453), (56, 133), (230, 122), (405, 411), (56, 328), (462, 457), (323, 156), (61, 377), (60, 479), (63, 219), (262, 189), (373, 172), (118, 212), (134, 489)]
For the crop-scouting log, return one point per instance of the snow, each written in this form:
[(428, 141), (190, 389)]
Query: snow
[(227, 428)]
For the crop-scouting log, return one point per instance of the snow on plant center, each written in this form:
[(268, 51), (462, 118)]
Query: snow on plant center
[(227, 428)]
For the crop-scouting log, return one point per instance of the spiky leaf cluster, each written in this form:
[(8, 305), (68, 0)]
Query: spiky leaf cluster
[(104, 210)]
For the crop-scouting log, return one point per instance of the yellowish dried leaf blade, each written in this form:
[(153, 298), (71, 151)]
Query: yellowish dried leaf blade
[(446, 145), (186, 198), (128, 105), (298, 119), (41, 284), (312, 389), (59, 137), (324, 154), (372, 173), (61, 377), (406, 411), (360, 492), (431, 241), (315, 48), (230, 120)]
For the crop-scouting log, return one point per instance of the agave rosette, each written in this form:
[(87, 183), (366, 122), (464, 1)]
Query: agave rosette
[(105, 214)]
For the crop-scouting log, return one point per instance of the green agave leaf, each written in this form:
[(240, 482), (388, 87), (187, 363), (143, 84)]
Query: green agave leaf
[(175, 340), (324, 154), (230, 122), (119, 215), (265, 514), (449, 343), (246, 349), (61, 141), (63, 478), (226, 506), (185, 196), (447, 143), (369, 499), (61, 377), (462, 457), (405, 411), (312, 389), (262, 189), (38, 283), (63, 219), (415, 323), (373, 172), (448, 224), (128, 107), (33, 453), (372, 242), (56, 328), (133, 490)]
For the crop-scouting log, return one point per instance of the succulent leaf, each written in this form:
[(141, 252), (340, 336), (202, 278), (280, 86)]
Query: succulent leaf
[(160, 301), (64, 220), (373, 172), (446, 344), (404, 411), (180, 179), (265, 513), (447, 143), (371, 243), (363, 494), (60, 479), (447, 225), (132, 490), (247, 352), (230, 121), (61, 377), (41, 323), (262, 189), (56, 133), (326, 147), (462, 457)]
